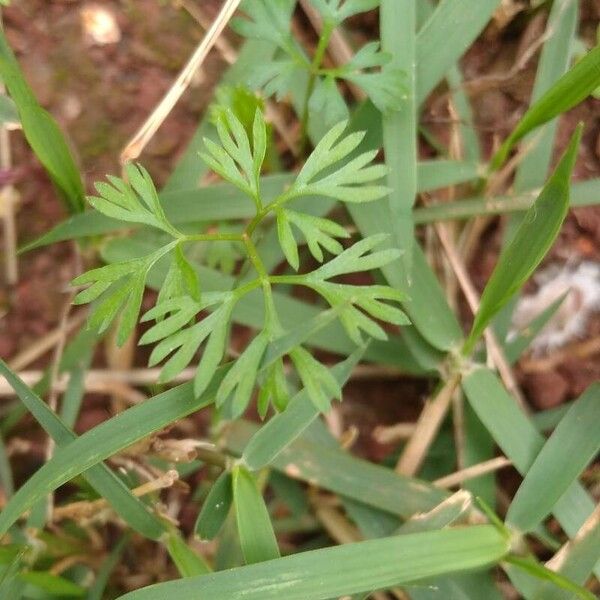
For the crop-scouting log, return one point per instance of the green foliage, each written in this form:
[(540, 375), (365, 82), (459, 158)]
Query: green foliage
[(574, 443), (533, 239), (257, 537), (369, 68), (367, 567), (569, 91), (215, 507), (42, 132), (236, 251), (178, 335)]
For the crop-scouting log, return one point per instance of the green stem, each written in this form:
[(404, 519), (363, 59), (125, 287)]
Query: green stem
[(247, 288), (290, 280), (328, 28), (254, 257), (213, 237)]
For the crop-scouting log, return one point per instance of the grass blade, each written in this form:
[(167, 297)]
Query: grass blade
[(554, 61), (42, 132), (98, 589), (535, 569), (222, 201), (257, 537), (573, 444), (188, 562), (398, 38), (426, 305), (342, 570), (584, 193), (532, 240), (130, 508), (105, 440), (458, 28), (215, 508), (571, 89), (309, 459), (6, 476), (575, 560), (521, 441)]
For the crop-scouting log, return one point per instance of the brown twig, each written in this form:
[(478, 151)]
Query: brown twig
[(8, 199), (393, 433), (86, 509)]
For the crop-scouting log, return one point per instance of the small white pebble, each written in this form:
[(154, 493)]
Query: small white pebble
[(100, 25)]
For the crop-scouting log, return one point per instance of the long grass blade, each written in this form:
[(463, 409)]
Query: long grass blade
[(398, 38), (573, 444), (554, 61), (342, 570), (42, 132), (458, 28), (571, 89), (530, 244), (309, 459), (130, 508), (521, 441), (257, 537)]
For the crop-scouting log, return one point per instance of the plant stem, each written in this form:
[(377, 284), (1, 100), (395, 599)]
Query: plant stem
[(288, 279), (328, 27), (214, 237)]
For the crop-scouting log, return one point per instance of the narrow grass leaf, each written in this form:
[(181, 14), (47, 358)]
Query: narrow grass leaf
[(223, 201), (308, 459), (188, 562), (6, 476), (398, 38), (571, 89), (108, 485), (536, 569), (575, 560), (574, 443), (521, 441), (42, 132), (530, 244), (458, 28), (52, 585), (343, 570), (254, 524), (98, 589), (554, 60), (103, 441), (215, 507)]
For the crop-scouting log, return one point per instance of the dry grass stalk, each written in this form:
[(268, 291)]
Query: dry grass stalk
[(138, 142), (44, 344), (427, 426), (459, 477)]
